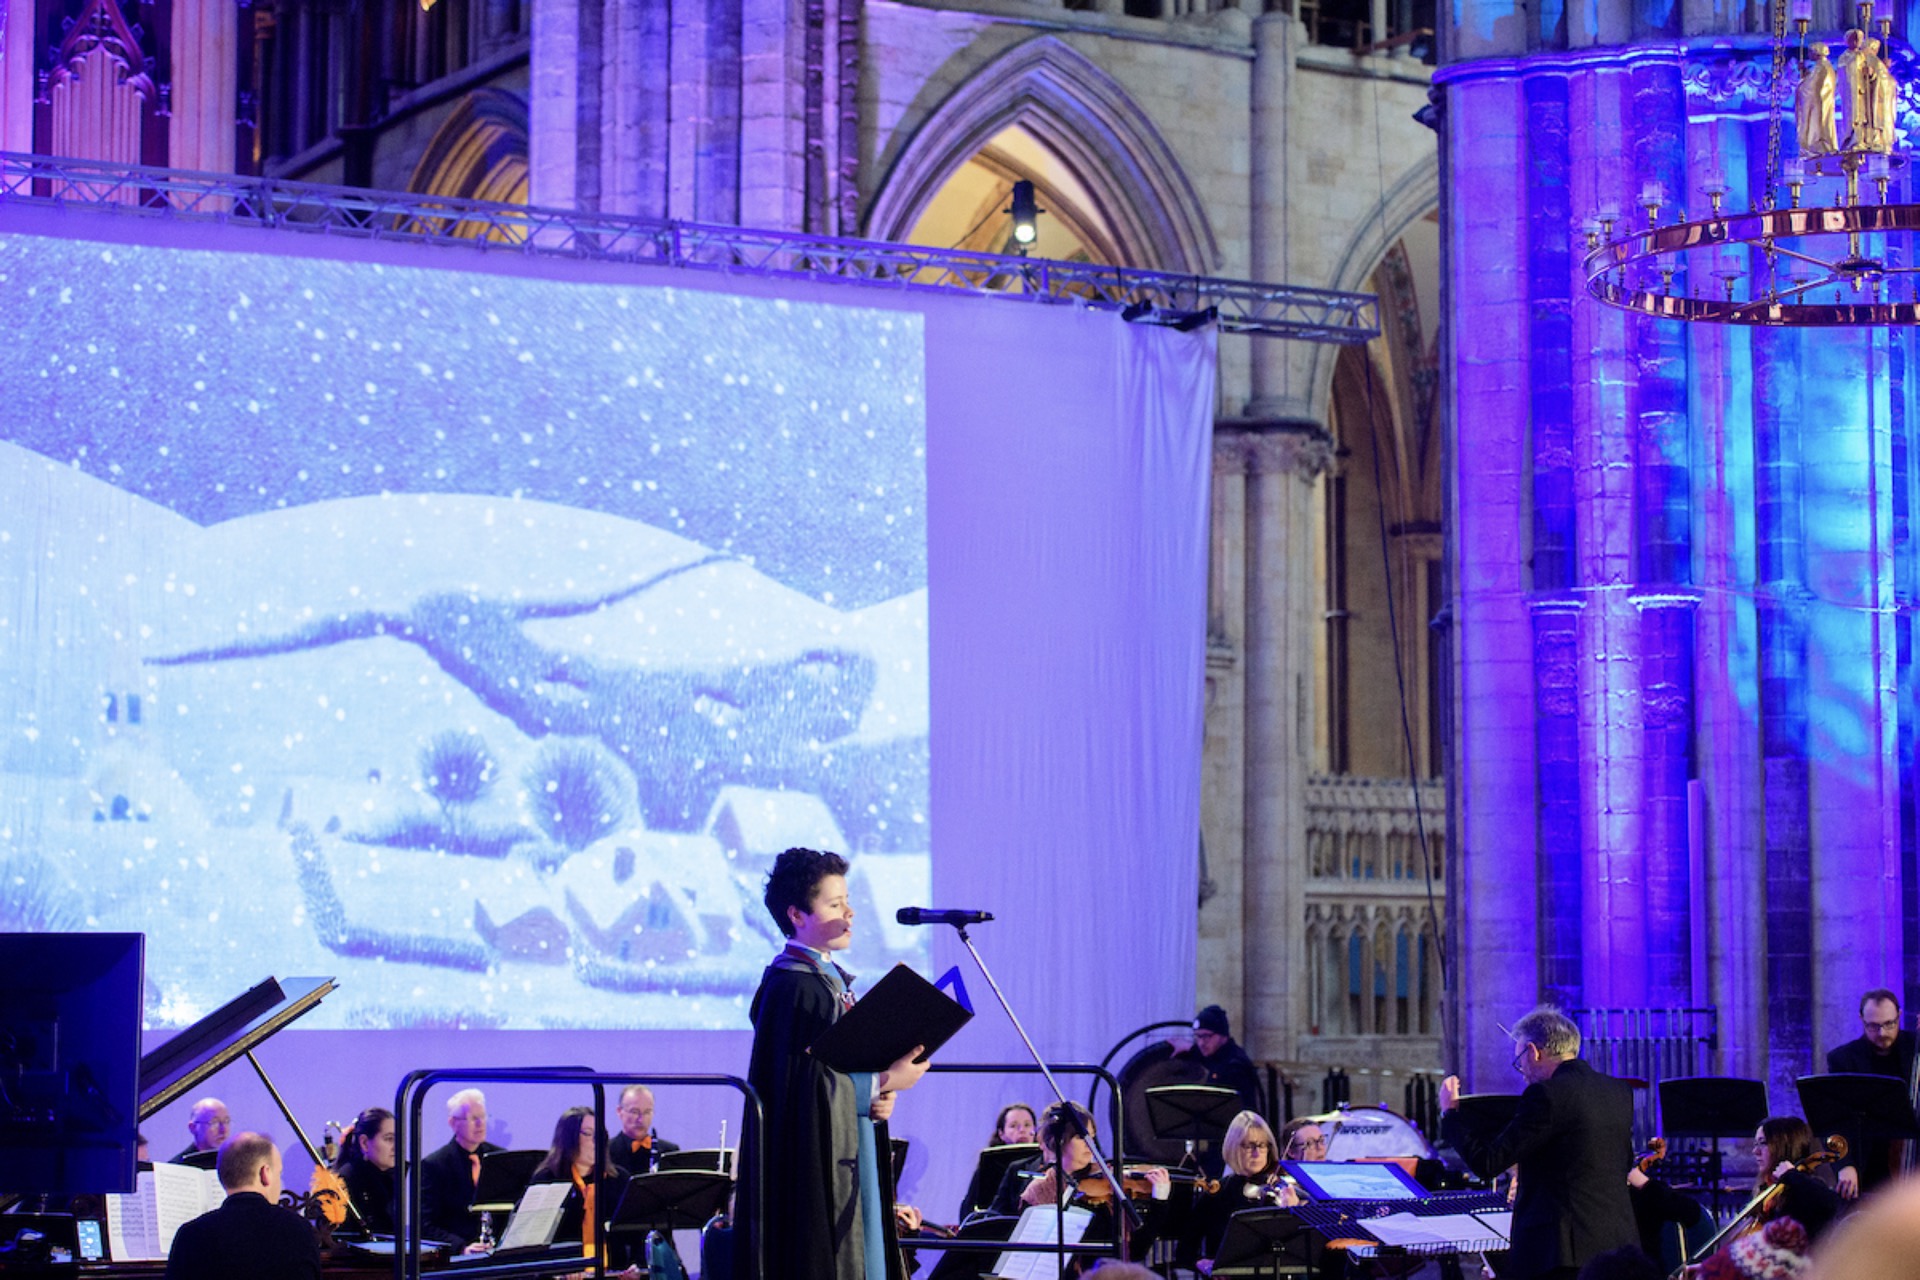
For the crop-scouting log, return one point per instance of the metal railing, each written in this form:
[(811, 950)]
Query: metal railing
[(1152, 297), (410, 1098)]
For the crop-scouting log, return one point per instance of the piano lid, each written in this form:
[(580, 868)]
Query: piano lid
[(229, 1032)]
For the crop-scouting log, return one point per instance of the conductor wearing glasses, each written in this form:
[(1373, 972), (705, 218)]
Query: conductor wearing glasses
[(1883, 1049), (1572, 1138)]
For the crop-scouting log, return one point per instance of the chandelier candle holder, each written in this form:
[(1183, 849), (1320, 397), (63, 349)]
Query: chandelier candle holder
[(1816, 266)]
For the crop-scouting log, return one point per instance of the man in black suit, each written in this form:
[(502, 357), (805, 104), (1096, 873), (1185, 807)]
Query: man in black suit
[(448, 1176), (1572, 1138), (249, 1235), (637, 1148), (1883, 1049)]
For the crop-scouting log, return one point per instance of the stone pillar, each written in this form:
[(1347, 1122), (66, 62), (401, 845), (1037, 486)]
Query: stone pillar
[(563, 110), (1284, 461), (1279, 391), (16, 75), (1221, 967), (773, 115), (1492, 876), (205, 80)]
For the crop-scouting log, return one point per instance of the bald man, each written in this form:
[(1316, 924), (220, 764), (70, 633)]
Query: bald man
[(209, 1124), (249, 1235)]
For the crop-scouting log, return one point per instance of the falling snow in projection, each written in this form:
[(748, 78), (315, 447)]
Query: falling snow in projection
[(475, 639)]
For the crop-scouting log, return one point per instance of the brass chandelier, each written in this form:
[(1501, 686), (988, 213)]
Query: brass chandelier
[(1824, 265)]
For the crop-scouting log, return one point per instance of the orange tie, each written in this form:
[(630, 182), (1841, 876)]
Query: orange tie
[(474, 1156)]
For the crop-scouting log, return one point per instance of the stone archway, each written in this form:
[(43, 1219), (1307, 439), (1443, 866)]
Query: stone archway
[(479, 152), (1081, 114)]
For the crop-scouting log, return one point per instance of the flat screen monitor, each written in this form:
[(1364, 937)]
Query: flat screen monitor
[(1352, 1180), (70, 1052)]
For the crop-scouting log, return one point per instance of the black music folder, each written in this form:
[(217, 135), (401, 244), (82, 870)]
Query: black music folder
[(902, 1010)]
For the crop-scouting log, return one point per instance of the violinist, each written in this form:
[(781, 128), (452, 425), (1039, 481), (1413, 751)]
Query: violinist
[(1252, 1181), (1061, 1146)]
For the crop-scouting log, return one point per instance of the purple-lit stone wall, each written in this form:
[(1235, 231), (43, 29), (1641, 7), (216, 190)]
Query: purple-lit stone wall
[(1684, 736)]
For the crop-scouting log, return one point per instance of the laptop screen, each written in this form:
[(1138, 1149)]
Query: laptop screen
[(1350, 1180)]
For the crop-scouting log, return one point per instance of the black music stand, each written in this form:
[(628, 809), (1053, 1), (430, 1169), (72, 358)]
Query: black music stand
[(1484, 1116), (990, 1170), (710, 1159), (1269, 1240), (1191, 1113), (682, 1200), (504, 1178), (1866, 1108), (1708, 1109)]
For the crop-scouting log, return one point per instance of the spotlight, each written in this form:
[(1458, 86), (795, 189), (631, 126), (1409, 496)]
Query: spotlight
[(1025, 215), (1134, 312)]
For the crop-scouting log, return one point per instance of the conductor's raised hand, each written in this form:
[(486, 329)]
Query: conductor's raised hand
[(905, 1073)]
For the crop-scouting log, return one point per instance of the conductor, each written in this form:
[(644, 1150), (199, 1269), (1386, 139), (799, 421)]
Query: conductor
[(1572, 1138)]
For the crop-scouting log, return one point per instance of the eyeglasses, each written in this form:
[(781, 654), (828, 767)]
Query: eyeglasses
[(1891, 1024), (1304, 1145), (1256, 1145), (1519, 1059)]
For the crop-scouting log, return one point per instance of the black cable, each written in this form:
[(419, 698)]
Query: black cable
[(1400, 671)]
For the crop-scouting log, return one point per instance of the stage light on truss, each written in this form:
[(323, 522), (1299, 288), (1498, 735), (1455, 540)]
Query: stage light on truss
[(1026, 214)]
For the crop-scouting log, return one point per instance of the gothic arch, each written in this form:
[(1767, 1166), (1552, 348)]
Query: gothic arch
[(1412, 197), (479, 152), (1086, 118)]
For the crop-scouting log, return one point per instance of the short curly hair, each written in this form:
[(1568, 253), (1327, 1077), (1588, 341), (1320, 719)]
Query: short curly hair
[(796, 875)]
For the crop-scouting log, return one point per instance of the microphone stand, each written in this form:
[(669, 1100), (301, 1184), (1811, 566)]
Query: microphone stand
[(1128, 1220)]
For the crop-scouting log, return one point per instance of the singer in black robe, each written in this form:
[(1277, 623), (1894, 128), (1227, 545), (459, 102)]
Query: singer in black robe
[(829, 1211)]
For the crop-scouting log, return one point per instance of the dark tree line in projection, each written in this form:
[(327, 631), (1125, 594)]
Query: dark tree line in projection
[(681, 734)]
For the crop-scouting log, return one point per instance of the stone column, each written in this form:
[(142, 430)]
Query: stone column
[(205, 80), (1284, 461), (563, 108), (773, 115), (16, 75), (1221, 968)]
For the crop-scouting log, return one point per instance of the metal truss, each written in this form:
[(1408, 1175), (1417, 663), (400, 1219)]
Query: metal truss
[(1155, 297)]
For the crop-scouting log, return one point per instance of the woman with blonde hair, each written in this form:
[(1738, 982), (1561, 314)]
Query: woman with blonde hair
[(1251, 1180)]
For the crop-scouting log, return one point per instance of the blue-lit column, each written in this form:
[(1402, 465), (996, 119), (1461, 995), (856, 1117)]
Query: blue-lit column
[(1492, 898)]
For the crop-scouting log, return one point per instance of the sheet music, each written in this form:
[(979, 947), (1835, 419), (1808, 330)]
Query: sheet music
[(1501, 1223), (140, 1226), (538, 1216), (1038, 1225), (1410, 1231), (180, 1195), (133, 1229)]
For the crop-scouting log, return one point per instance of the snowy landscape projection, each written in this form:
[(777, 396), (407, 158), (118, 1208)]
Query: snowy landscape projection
[(475, 639)]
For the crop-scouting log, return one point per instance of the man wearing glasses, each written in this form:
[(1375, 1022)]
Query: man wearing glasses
[(1572, 1138), (1884, 1050)]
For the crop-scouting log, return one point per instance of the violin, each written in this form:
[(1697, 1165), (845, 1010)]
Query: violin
[(1656, 1152), (1135, 1183)]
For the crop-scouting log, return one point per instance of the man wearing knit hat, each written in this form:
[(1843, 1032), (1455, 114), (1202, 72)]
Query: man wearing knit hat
[(1227, 1064)]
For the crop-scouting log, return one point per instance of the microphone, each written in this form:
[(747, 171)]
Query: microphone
[(930, 915)]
